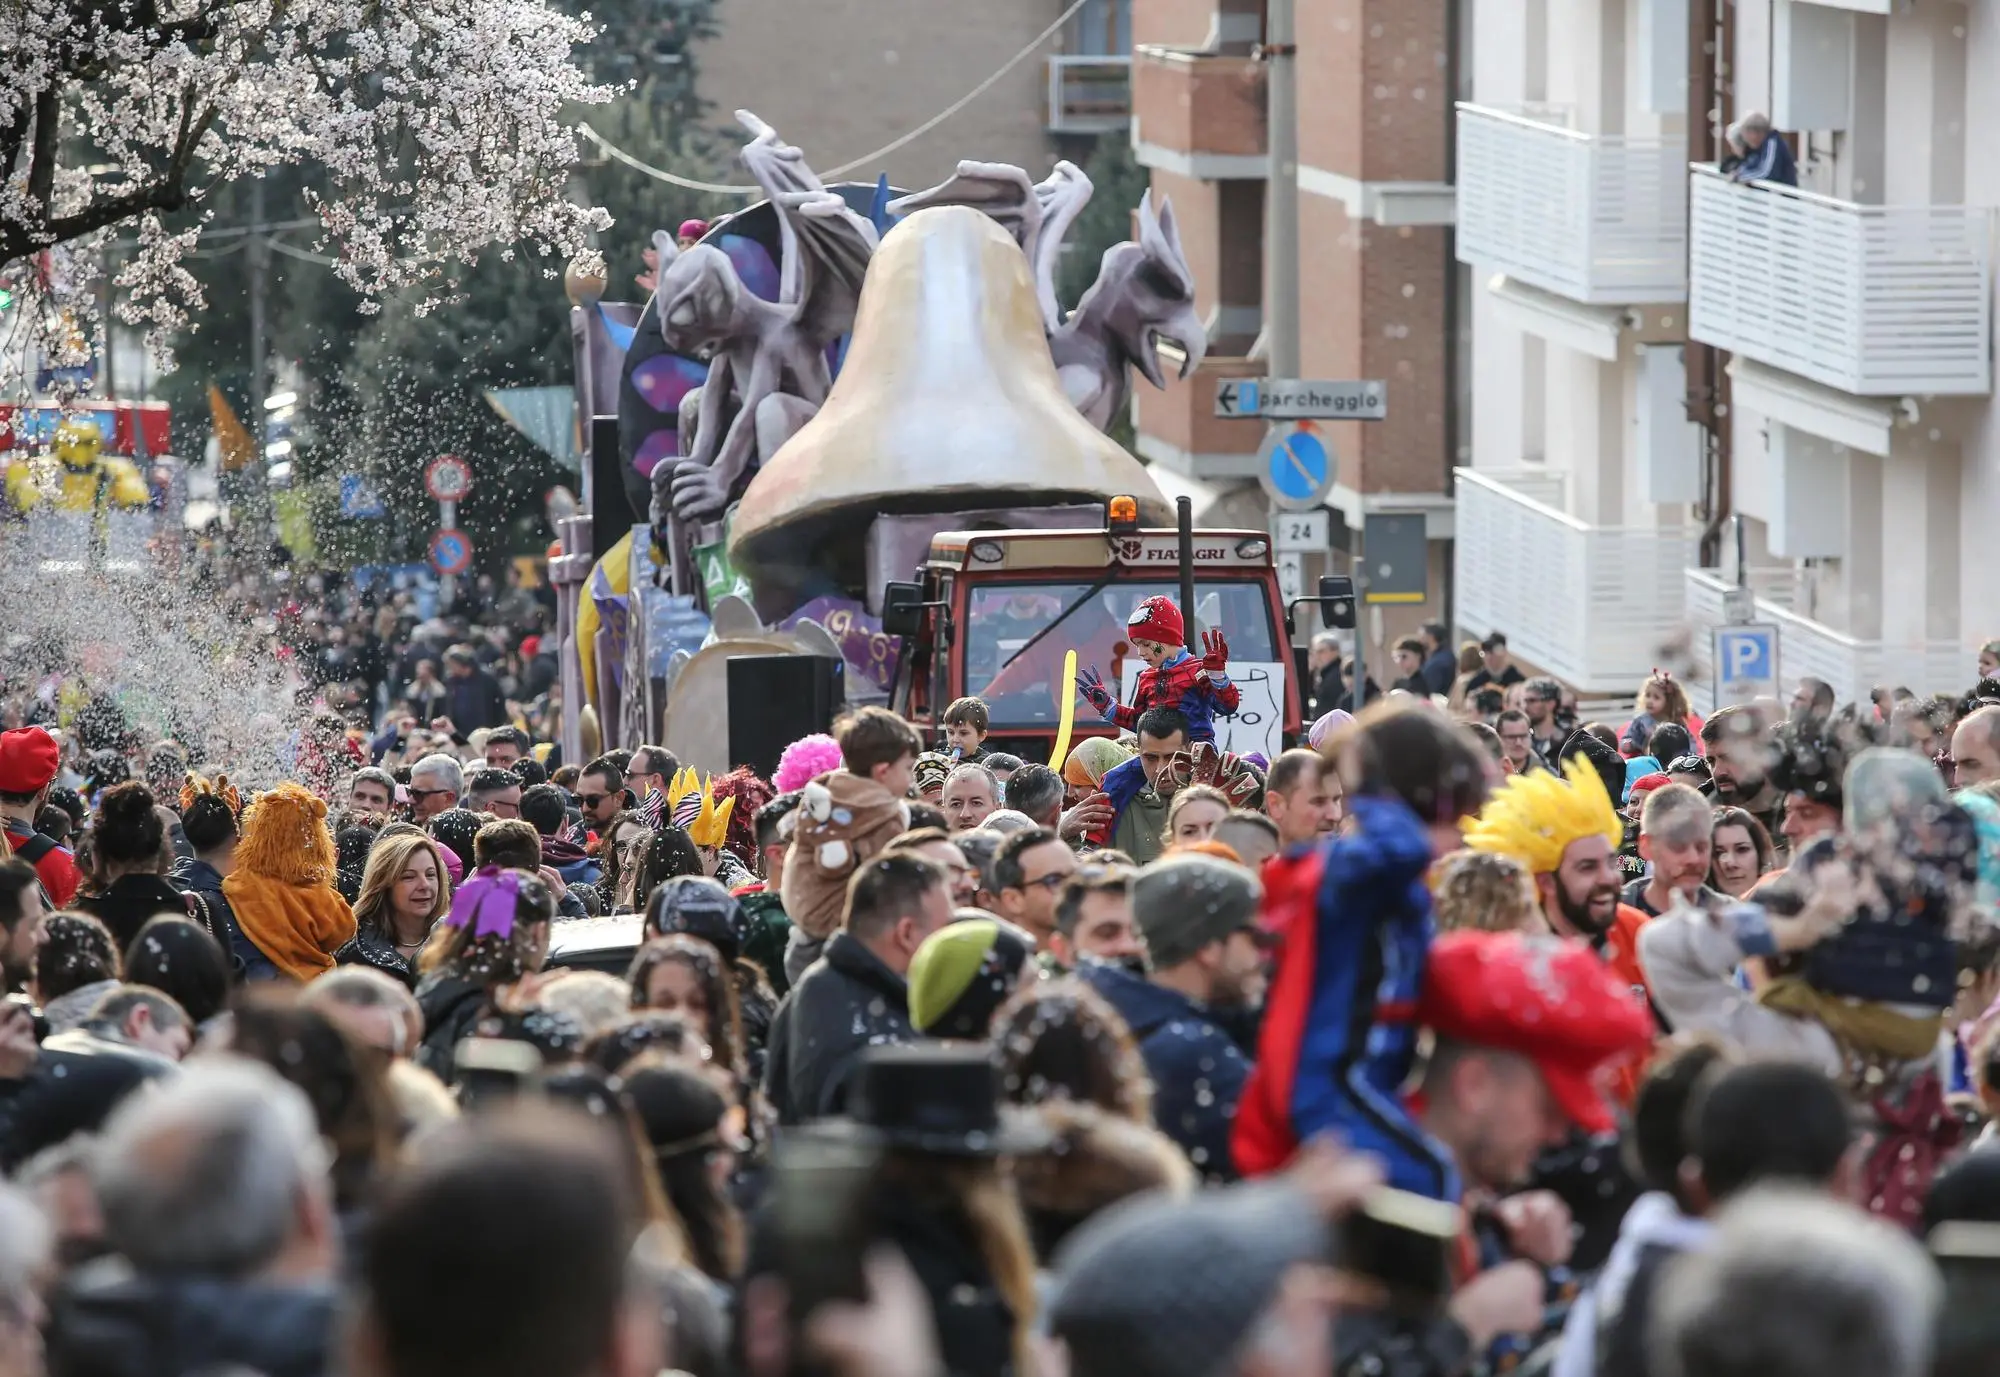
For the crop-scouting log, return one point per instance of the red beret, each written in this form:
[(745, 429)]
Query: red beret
[(28, 760), (1552, 1001)]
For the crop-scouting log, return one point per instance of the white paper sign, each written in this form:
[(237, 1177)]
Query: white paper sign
[(1259, 724)]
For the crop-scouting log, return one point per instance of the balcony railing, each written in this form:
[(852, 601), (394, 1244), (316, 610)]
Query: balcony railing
[(1809, 648), (1198, 104), (1089, 95), (1591, 605), (1597, 219), (1878, 301)]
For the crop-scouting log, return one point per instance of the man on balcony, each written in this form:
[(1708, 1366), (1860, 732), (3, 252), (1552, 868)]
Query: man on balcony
[(1766, 157)]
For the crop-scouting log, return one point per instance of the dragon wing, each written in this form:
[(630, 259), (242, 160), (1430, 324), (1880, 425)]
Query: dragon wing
[(1002, 190), (824, 246), (1062, 197)]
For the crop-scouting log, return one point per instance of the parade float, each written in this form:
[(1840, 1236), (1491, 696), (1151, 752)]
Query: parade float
[(845, 392), (91, 481)]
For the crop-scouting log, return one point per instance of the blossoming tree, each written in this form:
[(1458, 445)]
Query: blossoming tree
[(436, 127)]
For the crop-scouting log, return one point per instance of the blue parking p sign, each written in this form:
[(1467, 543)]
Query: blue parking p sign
[(1746, 663)]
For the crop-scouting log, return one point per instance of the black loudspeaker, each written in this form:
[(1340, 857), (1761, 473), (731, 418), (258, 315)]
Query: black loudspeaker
[(776, 699), (619, 494)]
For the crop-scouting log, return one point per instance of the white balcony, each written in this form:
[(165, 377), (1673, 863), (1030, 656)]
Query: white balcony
[(1593, 218), (1811, 648), (1089, 94), (1591, 605), (1877, 301)]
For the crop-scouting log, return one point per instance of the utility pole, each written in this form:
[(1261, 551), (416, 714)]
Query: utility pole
[(256, 484), (1281, 212)]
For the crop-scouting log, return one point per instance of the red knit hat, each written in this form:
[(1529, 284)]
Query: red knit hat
[(29, 758), (1158, 620)]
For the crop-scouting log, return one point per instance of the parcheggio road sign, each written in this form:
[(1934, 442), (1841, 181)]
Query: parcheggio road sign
[(1301, 399)]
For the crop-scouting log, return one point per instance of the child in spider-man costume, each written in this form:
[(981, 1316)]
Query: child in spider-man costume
[(1173, 677)]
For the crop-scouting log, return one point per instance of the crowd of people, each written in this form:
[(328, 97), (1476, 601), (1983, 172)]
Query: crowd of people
[(1461, 1037)]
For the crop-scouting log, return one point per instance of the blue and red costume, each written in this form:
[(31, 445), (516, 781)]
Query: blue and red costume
[(1340, 1029), (1199, 689)]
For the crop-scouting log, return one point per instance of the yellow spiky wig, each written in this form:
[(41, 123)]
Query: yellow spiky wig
[(285, 837), (1534, 817), (691, 806)]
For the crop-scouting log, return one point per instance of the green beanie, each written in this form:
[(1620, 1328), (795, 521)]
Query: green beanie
[(962, 974)]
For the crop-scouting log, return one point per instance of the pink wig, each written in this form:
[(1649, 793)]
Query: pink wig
[(806, 760)]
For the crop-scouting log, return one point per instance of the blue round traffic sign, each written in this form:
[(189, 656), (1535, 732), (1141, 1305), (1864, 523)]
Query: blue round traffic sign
[(451, 551), (1296, 467)]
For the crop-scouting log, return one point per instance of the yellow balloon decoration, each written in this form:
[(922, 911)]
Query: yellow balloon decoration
[(1060, 752)]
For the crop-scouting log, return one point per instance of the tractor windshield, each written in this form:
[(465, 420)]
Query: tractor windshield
[(1021, 682)]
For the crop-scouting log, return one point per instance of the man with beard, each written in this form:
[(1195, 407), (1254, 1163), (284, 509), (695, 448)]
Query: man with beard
[(1094, 921), (1676, 839), (1737, 743), (1541, 699), (1567, 834), (1198, 916), (21, 917), (1142, 789)]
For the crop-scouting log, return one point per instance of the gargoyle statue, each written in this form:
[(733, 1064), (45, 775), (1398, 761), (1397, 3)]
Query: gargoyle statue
[(768, 371), (1143, 296)]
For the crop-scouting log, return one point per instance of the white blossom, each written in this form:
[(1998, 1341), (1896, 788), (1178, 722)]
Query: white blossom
[(436, 127)]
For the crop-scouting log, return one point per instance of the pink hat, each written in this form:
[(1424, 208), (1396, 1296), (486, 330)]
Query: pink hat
[(693, 229), (1317, 734)]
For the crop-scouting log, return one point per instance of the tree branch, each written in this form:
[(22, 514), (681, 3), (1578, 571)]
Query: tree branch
[(169, 192), (47, 145)]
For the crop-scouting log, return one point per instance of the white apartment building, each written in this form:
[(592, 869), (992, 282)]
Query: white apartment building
[(1863, 443)]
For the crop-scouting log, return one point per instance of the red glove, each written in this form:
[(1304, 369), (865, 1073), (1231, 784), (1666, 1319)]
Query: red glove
[(1216, 660)]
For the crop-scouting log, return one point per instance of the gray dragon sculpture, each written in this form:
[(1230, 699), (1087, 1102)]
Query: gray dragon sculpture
[(768, 372), (1143, 295)]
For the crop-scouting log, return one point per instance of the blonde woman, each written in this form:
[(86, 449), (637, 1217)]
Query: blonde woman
[(405, 890), (1477, 889)]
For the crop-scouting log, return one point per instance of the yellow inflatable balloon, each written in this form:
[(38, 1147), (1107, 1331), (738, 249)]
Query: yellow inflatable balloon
[(1060, 752)]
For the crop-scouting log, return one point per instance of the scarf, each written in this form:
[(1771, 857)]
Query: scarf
[(299, 927), (1872, 1031)]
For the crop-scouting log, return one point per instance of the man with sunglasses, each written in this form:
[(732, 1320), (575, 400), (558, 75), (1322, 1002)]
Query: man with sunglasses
[(600, 791), (437, 782), (651, 771), (1541, 699)]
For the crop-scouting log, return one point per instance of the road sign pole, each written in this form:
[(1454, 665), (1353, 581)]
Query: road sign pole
[(447, 583), (1360, 568)]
